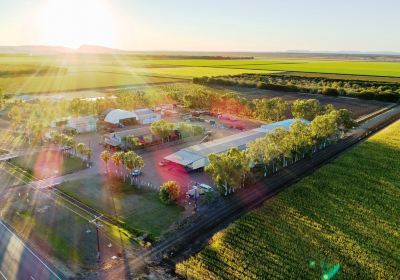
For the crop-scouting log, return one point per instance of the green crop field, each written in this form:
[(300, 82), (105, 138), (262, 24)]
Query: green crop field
[(73, 81), (391, 69), (342, 222), (37, 74), (190, 72)]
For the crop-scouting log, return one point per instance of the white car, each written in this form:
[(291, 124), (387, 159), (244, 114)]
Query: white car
[(205, 188), (194, 192)]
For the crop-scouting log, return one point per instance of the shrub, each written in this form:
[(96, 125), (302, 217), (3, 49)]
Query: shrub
[(169, 192)]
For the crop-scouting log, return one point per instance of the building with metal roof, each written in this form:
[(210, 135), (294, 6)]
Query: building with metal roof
[(117, 116), (147, 116), (80, 124), (196, 156)]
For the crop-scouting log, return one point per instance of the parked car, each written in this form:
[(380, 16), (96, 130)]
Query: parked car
[(195, 191), (205, 188), (163, 163), (136, 172)]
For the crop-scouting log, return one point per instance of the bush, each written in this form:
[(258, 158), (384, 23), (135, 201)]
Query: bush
[(169, 192), (330, 92)]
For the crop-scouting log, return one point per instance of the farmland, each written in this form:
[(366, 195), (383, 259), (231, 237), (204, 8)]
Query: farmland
[(72, 81), (40, 73), (323, 225)]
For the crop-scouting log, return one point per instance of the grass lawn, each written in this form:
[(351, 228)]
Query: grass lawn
[(53, 229), (48, 163), (139, 208), (7, 180), (343, 219)]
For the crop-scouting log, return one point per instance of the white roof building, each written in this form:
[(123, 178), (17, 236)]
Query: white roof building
[(83, 124), (80, 124), (117, 115), (196, 156), (147, 116)]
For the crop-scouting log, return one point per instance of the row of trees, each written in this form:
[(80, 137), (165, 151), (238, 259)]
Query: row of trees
[(277, 149), (130, 160), (68, 143), (386, 91)]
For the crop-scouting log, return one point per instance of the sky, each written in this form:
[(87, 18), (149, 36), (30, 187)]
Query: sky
[(207, 25)]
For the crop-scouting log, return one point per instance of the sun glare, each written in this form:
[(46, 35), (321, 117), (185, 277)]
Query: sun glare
[(72, 23)]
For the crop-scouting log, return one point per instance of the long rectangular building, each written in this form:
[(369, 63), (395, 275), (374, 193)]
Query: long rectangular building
[(196, 156)]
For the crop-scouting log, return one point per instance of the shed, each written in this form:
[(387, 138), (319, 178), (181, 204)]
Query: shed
[(118, 117), (147, 116), (82, 124), (196, 156)]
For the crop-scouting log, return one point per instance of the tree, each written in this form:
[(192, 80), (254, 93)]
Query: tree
[(105, 156), (270, 109), (185, 129), (169, 192), (17, 114), (229, 169), (80, 148), (87, 152), (279, 145), (117, 158), (132, 142), (162, 129), (307, 109), (323, 128), (2, 99), (344, 119), (300, 135), (132, 161)]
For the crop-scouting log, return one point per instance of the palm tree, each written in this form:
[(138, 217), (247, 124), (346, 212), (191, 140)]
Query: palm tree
[(117, 159), (80, 148), (105, 156), (132, 161), (88, 153), (69, 142)]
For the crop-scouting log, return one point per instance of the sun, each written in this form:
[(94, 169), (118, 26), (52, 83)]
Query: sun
[(72, 23)]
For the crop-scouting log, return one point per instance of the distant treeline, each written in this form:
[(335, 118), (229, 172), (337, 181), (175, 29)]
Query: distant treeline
[(40, 70), (383, 91)]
